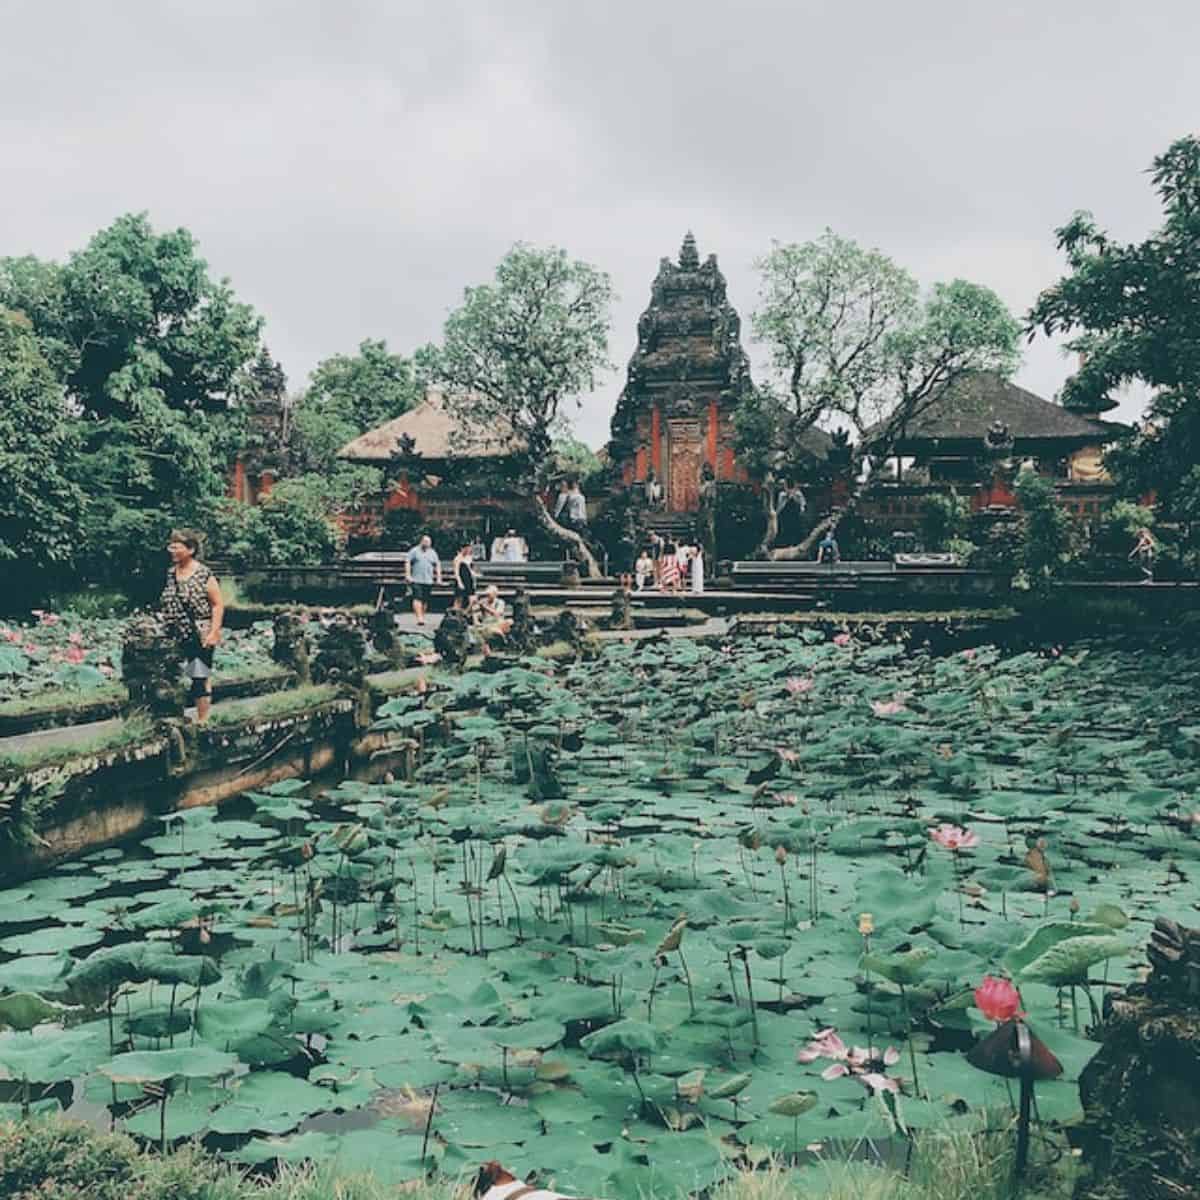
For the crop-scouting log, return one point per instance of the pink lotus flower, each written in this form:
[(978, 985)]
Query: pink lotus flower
[(841, 639), (29, 648), (75, 638), (428, 658), (75, 654), (12, 635), (997, 999), (951, 837), (852, 1061), (797, 686), (968, 655), (887, 708), (788, 756), (45, 618)]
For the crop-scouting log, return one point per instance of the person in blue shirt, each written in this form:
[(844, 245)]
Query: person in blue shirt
[(827, 550), (421, 567)]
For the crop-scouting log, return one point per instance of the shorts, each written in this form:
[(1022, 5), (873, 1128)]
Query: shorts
[(421, 592), (198, 667)]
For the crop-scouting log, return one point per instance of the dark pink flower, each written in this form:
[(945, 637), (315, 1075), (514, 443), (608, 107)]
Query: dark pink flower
[(75, 654), (841, 639), (997, 999), (798, 686)]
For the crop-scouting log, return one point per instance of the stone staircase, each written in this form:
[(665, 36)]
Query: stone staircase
[(672, 526)]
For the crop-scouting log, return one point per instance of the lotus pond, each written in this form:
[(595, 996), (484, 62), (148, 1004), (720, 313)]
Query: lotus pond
[(594, 933)]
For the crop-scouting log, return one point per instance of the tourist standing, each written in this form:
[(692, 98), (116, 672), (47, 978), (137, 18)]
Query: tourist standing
[(193, 611), (697, 569), (464, 578), (421, 567), (1143, 550), (653, 490), (668, 570)]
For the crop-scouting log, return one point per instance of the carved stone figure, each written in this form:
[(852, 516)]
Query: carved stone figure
[(150, 668), (522, 636), (621, 614), (453, 638), (1141, 1092), (290, 648), (341, 656)]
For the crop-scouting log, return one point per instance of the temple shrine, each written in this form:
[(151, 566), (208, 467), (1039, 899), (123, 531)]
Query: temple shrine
[(686, 377)]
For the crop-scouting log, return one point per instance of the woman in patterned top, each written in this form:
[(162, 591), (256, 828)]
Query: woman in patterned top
[(193, 611)]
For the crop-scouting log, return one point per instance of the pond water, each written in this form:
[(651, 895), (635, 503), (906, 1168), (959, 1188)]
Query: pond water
[(614, 904)]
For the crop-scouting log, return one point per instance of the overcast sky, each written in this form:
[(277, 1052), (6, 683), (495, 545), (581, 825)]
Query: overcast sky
[(351, 165)]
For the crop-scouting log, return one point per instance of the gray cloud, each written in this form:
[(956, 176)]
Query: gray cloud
[(352, 166)]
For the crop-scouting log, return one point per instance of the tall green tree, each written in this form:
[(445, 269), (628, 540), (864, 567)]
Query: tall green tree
[(1132, 312), (349, 394), (518, 352), (853, 343), (40, 505), (152, 354)]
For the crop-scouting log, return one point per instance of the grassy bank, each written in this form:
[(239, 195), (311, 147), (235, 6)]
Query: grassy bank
[(59, 1160)]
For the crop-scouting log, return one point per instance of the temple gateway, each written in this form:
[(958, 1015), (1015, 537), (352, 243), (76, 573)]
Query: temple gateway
[(689, 372)]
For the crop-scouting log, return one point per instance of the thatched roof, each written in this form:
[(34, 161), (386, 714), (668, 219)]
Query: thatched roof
[(435, 436), (967, 412)]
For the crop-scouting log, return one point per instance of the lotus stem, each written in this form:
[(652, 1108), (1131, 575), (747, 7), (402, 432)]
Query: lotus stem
[(688, 977), (429, 1121), (912, 1049)]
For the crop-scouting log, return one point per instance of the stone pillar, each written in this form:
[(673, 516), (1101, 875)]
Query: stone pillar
[(290, 648), (150, 668)]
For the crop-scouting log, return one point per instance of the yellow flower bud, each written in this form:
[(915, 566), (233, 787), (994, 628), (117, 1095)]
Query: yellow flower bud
[(866, 924)]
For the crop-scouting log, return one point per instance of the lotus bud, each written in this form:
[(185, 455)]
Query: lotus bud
[(1074, 905), (780, 855), (866, 924)]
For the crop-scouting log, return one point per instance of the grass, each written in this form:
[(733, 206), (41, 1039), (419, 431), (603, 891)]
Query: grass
[(390, 683), (55, 1159), (275, 704), (128, 733), (64, 702)]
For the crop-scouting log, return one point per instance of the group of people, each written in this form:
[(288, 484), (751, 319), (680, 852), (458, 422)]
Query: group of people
[(667, 566), (423, 568)]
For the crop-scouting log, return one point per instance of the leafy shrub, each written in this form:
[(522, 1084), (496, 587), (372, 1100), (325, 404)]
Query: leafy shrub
[(1047, 531), (740, 521), (945, 518)]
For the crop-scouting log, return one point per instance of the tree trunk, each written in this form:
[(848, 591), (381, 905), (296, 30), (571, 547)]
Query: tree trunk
[(804, 549), (771, 509), (569, 536)]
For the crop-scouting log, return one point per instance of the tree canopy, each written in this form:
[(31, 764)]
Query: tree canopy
[(852, 342), (347, 395), (40, 504), (518, 351), (151, 353), (1132, 313), (854, 345)]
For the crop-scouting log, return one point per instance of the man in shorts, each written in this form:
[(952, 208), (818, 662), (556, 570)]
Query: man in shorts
[(421, 567)]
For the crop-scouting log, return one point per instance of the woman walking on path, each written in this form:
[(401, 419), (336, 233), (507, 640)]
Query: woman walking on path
[(194, 611)]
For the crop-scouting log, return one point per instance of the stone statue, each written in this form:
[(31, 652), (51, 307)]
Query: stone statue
[(341, 656), (150, 668), (621, 614), (522, 635), (290, 648), (1141, 1091), (709, 495), (453, 638)]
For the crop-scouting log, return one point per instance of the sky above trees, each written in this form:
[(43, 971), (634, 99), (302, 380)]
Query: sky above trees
[(353, 166)]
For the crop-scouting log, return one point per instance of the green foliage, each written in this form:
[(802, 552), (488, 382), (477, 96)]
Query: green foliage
[(1131, 310), (574, 458), (517, 350), (1047, 531), (153, 352), (40, 504), (945, 518), (852, 342), (349, 394)]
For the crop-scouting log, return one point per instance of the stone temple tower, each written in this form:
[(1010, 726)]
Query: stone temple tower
[(685, 378)]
